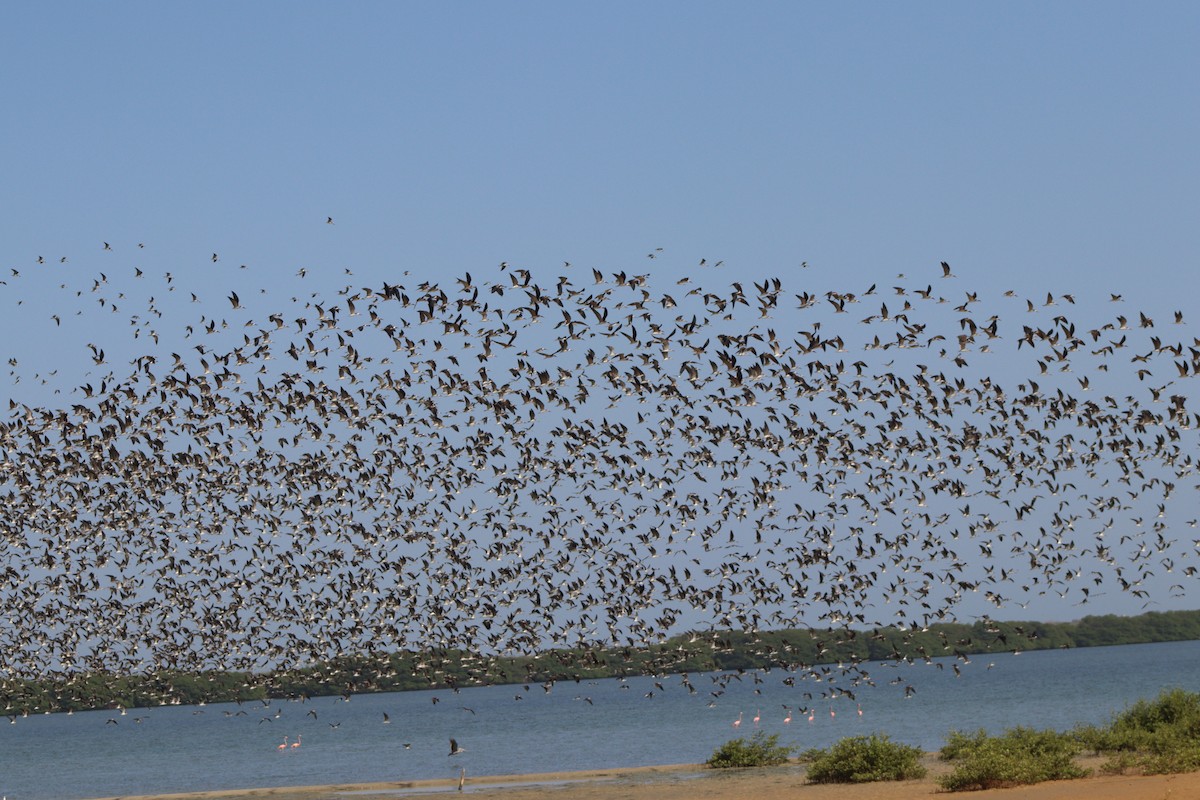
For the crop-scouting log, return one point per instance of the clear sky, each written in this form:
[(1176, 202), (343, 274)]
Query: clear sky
[(1025, 142), (1041, 147)]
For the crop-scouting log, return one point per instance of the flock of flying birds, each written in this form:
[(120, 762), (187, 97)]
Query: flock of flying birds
[(507, 462)]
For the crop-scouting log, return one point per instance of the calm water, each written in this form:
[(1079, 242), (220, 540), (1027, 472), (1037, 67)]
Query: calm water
[(222, 746)]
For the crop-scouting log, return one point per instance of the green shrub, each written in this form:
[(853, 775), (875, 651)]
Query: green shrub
[(1105, 740), (861, 759), (809, 755), (958, 744), (760, 751), (1020, 756), (1152, 736), (1120, 763), (1172, 709), (1167, 754)]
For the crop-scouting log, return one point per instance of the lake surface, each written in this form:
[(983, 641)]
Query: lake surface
[(636, 722)]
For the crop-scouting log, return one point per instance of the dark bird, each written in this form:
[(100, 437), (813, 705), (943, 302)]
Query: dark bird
[(421, 461)]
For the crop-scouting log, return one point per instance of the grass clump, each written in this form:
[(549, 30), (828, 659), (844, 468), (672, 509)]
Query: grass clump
[(1020, 756), (761, 750), (862, 759)]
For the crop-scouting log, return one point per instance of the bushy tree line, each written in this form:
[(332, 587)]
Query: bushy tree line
[(709, 651)]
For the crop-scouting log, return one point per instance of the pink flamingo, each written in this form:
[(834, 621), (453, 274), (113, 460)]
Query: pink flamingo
[(832, 713), (860, 709), (283, 746), (757, 717), (788, 718), (296, 743), (737, 723), (812, 714)]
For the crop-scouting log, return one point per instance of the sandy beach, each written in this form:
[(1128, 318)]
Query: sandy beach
[(695, 782)]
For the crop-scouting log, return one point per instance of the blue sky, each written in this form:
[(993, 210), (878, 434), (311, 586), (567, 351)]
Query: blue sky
[(1023, 142), (1036, 147)]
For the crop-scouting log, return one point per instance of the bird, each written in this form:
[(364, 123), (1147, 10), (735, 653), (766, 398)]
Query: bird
[(458, 448), (283, 746), (455, 749)]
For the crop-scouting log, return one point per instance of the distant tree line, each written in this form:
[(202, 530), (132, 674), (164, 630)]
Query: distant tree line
[(797, 650)]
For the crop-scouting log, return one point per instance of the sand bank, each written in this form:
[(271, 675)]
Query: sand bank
[(694, 782)]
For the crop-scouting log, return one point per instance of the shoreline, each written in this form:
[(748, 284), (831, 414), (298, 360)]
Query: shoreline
[(436, 786), (688, 781)]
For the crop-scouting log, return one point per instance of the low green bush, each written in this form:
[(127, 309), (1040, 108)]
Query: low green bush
[(761, 750), (958, 744), (1105, 740), (811, 754), (1020, 756), (1157, 736), (1172, 709), (862, 759)]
